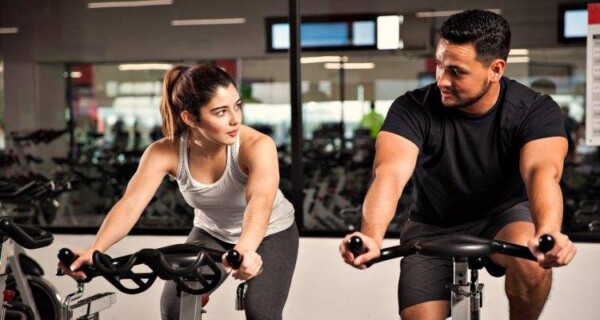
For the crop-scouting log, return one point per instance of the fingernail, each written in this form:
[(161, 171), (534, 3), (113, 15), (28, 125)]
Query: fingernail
[(72, 268)]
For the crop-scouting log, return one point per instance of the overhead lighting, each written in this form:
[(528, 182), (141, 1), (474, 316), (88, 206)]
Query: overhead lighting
[(76, 74), (206, 22), (145, 66), (356, 66), (437, 14), (518, 60), (518, 52), (8, 30), (129, 4), (323, 59)]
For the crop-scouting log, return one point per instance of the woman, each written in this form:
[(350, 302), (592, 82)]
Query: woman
[(229, 173)]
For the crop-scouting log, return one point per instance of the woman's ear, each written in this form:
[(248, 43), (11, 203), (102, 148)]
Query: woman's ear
[(188, 119)]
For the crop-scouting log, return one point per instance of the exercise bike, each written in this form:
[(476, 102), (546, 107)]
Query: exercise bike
[(467, 252), (193, 268), (26, 294)]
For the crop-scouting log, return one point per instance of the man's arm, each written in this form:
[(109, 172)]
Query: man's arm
[(541, 165), (395, 161)]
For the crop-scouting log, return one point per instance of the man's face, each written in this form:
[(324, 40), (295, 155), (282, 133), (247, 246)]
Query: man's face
[(462, 79)]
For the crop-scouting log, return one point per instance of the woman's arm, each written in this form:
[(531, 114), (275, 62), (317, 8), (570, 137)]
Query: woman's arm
[(259, 158), (158, 160)]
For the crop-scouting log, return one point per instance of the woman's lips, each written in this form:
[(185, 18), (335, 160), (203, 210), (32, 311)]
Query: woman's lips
[(232, 133)]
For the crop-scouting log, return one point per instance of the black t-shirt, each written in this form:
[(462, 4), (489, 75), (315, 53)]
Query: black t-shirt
[(468, 166)]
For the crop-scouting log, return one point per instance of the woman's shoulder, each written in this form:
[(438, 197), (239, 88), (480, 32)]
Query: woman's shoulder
[(163, 152), (251, 138), (164, 146)]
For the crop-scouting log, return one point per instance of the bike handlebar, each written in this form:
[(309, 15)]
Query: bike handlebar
[(193, 268), (453, 246), (25, 236)]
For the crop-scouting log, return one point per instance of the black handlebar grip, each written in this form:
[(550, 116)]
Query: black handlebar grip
[(355, 244), (234, 258), (546, 243), (67, 257)]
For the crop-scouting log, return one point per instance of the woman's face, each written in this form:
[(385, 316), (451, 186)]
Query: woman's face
[(221, 118)]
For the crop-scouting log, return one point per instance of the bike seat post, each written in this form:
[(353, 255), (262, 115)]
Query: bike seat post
[(466, 290), (191, 306)]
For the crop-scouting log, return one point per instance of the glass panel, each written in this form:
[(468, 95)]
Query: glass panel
[(343, 109)]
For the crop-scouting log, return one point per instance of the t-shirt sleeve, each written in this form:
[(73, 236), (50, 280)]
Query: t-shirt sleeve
[(543, 121), (407, 119)]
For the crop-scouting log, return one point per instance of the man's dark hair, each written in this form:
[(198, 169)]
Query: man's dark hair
[(487, 31)]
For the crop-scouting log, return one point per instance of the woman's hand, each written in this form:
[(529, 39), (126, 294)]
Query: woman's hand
[(84, 258), (251, 265)]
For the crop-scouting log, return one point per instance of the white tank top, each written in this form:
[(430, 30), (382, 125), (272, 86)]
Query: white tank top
[(219, 207)]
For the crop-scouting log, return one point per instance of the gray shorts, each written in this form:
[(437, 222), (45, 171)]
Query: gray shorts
[(424, 278)]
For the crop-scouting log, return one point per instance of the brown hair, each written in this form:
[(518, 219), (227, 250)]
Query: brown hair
[(188, 89)]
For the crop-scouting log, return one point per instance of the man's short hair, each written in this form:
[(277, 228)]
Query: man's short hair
[(487, 31)]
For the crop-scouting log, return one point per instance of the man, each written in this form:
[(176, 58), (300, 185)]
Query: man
[(486, 155)]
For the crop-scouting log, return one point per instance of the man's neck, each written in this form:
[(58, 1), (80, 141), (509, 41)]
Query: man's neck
[(486, 103)]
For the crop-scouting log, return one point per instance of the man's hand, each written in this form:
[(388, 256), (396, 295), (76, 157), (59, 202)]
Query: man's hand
[(372, 251), (561, 254)]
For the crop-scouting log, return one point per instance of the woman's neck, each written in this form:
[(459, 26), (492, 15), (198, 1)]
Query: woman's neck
[(204, 147)]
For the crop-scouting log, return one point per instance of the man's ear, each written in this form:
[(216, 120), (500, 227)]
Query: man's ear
[(497, 68)]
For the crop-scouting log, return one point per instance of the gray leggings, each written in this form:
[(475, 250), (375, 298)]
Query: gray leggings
[(267, 293)]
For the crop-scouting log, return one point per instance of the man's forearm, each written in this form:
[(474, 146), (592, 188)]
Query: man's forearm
[(380, 207), (546, 202)]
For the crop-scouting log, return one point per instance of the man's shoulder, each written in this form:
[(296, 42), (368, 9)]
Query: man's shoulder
[(521, 96), (418, 97)]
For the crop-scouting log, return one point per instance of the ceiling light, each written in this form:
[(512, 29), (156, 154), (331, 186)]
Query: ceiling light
[(436, 14), (129, 4), (8, 30), (517, 60), (206, 22), (76, 74), (322, 59), (145, 66), (356, 66), (518, 52)]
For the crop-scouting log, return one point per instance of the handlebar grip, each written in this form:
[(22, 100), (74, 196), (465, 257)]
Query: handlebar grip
[(355, 244), (67, 257), (28, 237), (546, 243), (234, 258)]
